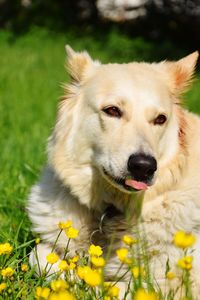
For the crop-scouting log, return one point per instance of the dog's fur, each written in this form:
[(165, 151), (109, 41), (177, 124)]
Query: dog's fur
[(86, 142)]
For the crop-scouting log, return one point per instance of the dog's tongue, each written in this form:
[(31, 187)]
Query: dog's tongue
[(137, 185)]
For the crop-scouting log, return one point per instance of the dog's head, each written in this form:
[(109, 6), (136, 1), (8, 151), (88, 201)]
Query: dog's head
[(123, 117)]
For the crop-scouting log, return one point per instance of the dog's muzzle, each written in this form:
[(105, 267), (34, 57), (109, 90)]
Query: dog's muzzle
[(142, 167)]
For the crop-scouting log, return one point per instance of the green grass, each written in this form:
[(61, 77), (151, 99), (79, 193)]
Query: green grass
[(31, 70)]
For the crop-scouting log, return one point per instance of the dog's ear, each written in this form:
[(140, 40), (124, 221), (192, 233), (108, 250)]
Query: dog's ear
[(181, 72), (79, 64)]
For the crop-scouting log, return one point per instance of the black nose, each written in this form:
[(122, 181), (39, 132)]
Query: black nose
[(142, 167)]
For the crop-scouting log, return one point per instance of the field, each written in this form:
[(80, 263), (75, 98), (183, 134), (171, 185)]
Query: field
[(31, 71)]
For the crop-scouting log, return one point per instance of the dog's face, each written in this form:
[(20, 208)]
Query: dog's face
[(127, 120), (129, 116)]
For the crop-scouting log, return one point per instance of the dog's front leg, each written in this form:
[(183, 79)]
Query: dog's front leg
[(38, 260)]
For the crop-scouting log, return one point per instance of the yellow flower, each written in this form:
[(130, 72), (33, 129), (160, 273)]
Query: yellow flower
[(63, 295), (128, 240), (71, 232), (170, 275), (72, 266), (141, 294), (98, 261), (91, 277), (183, 239), (52, 258), (37, 241), (63, 265), (74, 259), (122, 254), (65, 225), (2, 286), (111, 290), (95, 250), (42, 293), (58, 285), (7, 272), (138, 271), (135, 272), (24, 267), (5, 248), (81, 271), (185, 262)]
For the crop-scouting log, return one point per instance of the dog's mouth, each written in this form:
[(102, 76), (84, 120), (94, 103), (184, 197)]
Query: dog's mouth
[(128, 183)]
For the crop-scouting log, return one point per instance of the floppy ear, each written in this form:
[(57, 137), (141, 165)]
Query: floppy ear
[(79, 64), (181, 72)]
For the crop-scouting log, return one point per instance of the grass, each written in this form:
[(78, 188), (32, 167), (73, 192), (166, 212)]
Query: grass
[(31, 70)]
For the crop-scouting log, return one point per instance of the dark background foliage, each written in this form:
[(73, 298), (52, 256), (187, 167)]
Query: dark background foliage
[(176, 20)]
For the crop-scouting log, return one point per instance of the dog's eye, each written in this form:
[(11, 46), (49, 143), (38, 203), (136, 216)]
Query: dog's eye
[(160, 120), (113, 111)]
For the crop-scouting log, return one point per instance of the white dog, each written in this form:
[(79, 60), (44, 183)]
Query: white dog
[(120, 128)]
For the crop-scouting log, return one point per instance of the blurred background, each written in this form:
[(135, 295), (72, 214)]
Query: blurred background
[(32, 38), (177, 21), (157, 20)]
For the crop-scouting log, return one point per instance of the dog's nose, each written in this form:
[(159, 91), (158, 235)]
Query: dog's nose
[(142, 167)]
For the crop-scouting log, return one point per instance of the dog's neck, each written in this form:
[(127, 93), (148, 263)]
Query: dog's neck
[(119, 214), (110, 212), (111, 225), (111, 197)]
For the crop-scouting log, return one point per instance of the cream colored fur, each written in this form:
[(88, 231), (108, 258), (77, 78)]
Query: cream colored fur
[(86, 140)]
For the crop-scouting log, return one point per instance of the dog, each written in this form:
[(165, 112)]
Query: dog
[(122, 140)]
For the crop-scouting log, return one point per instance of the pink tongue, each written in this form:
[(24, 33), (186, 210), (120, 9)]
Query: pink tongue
[(137, 185)]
